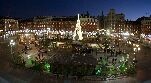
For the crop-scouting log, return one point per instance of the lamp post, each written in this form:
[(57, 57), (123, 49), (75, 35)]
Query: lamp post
[(12, 43)]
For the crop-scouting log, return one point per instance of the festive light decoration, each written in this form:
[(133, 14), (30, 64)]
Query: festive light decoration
[(77, 31)]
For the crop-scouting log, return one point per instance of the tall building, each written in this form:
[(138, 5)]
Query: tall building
[(101, 20), (112, 19), (117, 23)]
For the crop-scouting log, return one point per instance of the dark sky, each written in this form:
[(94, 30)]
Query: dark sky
[(28, 8)]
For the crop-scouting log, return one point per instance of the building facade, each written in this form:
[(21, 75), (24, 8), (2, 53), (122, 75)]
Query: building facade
[(112, 19), (8, 24), (88, 23), (145, 25)]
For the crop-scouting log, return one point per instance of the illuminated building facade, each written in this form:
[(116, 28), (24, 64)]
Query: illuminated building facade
[(145, 25), (65, 25), (128, 26), (25, 24), (88, 23), (54, 23), (111, 21), (133, 27), (8, 24)]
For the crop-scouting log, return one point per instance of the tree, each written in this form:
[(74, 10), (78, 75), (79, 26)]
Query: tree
[(101, 68), (47, 67), (112, 71), (42, 66), (123, 66)]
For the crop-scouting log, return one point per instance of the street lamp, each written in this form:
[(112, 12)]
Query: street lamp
[(28, 56), (12, 43), (108, 32)]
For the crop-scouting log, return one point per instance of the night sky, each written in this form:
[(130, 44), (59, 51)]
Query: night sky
[(28, 8)]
